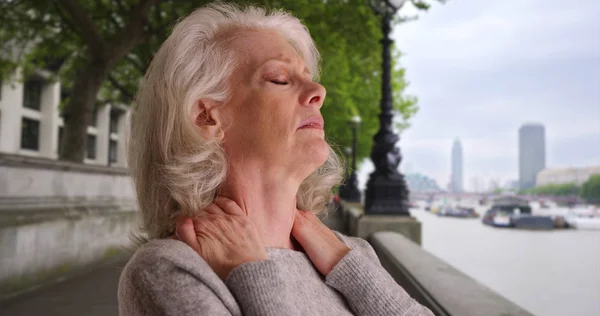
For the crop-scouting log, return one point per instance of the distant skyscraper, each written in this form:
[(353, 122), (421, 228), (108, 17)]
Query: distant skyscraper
[(457, 167), (532, 153)]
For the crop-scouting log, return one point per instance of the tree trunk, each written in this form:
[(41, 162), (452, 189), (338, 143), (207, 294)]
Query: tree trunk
[(78, 111)]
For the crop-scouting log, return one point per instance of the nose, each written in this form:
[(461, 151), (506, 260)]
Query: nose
[(313, 95)]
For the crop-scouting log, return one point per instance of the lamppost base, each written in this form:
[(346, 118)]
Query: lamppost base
[(386, 195)]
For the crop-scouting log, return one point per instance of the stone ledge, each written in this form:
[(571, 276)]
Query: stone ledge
[(361, 225), (436, 284), (19, 161), (33, 216), (40, 204)]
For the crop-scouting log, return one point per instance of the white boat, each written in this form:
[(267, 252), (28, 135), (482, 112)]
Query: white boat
[(583, 222)]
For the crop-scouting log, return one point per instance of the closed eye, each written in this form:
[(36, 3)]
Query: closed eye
[(282, 83)]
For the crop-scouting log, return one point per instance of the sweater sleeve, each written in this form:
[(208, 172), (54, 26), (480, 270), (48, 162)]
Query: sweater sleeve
[(259, 289), (369, 289)]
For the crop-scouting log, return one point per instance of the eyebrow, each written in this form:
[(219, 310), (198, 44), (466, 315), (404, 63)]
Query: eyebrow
[(288, 61)]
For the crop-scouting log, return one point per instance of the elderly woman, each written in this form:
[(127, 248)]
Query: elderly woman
[(230, 164)]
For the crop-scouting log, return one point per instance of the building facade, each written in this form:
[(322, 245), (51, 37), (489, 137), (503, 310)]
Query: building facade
[(421, 183), (567, 175), (31, 125), (532, 154), (457, 167)]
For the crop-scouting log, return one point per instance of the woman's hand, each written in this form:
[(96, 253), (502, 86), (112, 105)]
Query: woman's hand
[(224, 237), (322, 246)]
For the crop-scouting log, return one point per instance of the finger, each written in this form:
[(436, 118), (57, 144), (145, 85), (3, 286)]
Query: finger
[(307, 228), (185, 232), (302, 228), (229, 206), (310, 217), (311, 220)]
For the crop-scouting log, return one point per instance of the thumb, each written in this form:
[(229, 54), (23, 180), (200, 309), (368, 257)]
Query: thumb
[(185, 232)]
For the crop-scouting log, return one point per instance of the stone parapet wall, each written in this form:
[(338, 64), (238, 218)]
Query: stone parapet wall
[(428, 279), (435, 283), (59, 217), (32, 183)]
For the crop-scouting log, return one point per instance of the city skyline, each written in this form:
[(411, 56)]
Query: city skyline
[(503, 64)]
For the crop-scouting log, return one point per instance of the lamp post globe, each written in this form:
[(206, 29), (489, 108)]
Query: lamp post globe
[(387, 192)]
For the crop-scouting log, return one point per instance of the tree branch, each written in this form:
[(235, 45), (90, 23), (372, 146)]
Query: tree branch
[(66, 21), (126, 94), (134, 30), (121, 6), (136, 63), (84, 23)]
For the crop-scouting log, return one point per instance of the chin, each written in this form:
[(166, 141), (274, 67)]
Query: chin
[(316, 154)]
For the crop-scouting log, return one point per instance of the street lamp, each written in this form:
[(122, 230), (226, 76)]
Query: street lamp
[(349, 190), (387, 193)]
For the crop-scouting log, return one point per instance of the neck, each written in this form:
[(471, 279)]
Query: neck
[(268, 197)]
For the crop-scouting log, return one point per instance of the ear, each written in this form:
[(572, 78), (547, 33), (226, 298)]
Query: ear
[(207, 119)]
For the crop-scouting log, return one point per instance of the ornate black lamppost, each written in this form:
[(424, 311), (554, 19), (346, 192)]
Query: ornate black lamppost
[(387, 193), (349, 190)]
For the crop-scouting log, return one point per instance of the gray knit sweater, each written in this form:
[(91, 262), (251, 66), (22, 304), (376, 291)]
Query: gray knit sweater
[(166, 277)]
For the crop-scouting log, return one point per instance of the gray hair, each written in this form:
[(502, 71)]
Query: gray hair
[(173, 168)]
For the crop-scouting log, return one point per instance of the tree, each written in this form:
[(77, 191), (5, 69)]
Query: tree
[(83, 40), (563, 189), (99, 49), (590, 191)]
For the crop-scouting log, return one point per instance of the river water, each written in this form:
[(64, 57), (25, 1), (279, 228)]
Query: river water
[(549, 273)]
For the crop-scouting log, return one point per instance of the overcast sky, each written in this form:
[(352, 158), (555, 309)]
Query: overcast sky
[(482, 68)]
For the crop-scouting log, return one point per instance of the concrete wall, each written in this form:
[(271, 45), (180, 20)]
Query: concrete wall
[(31, 183), (428, 279), (436, 284), (58, 217), (363, 225), (35, 252)]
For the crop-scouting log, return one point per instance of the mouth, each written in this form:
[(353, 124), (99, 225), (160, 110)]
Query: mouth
[(314, 122)]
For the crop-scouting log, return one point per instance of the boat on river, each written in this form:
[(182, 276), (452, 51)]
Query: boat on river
[(584, 218), (459, 211), (515, 212), (592, 223)]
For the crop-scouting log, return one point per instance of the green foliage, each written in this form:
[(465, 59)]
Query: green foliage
[(590, 190), (498, 191), (347, 33), (554, 189)]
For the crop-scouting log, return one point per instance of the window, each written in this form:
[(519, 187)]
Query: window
[(64, 96), (91, 146), (60, 139), (114, 121), (32, 92), (112, 151), (30, 134), (94, 118)]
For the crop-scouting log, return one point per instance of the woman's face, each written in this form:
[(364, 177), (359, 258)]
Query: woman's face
[(274, 111)]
